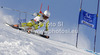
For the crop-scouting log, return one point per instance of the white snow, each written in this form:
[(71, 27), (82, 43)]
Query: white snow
[(15, 42)]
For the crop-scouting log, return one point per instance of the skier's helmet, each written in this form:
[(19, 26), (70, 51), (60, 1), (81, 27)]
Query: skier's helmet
[(47, 13)]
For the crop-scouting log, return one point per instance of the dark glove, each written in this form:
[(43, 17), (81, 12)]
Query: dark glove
[(45, 32), (46, 29), (31, 19)]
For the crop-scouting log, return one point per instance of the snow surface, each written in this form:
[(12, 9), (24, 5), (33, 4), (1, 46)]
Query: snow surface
[(15, 42)]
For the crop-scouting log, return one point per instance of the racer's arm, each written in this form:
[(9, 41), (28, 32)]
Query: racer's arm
[(38, 14), (35, 14), (47, 25)]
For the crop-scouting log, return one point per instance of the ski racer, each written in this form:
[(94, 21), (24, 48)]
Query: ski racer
[(39, 21)]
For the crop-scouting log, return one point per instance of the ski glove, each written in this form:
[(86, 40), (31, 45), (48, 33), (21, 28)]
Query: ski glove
[(46, 29), (35, 14)]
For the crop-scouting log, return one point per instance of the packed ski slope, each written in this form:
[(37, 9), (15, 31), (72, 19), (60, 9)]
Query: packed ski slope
[(15, 42)]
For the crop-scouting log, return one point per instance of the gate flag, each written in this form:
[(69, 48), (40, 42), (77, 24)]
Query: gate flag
[(88, 19)]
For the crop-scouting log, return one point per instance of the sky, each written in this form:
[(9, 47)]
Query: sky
[(66, 11)]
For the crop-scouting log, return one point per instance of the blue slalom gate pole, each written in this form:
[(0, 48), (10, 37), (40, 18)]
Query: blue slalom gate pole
[(96, 27), (78, 26)]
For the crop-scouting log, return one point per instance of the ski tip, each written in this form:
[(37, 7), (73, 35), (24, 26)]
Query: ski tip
[(6, 24), (47, 37)]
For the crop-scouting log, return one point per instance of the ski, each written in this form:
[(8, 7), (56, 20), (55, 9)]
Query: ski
[(18, 28)]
